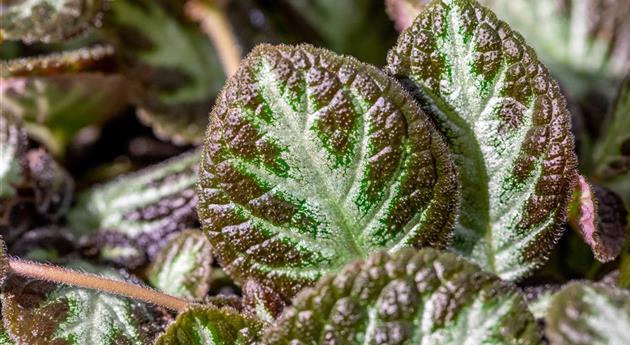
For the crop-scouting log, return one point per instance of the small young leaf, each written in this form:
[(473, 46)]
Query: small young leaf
[(261, 301), (413, 297), (173, 59), (313, 159), (601, 218), (208, 325), (589, 314), (182, 268), (612, 152), (584, 43), (403, 12), (507, 124), (55, 108), (132, 216), (48, 20), (39, 312)]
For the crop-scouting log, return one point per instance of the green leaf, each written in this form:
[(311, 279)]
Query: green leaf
[(55, 108), (589, 314), (355, 27), (313, 159), (132, 216), (208, 325), (262, 301), (183, 267), (38, 312), (173, 60), (583, 42), (600, 216), (506, 123), (413, 297), (48, 20), (612, 151)]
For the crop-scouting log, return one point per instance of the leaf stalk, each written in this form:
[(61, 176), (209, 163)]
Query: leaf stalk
[(217, 27), (92, 281)]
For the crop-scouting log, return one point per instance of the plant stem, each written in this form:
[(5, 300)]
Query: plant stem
[(216, 26), (93, 281)]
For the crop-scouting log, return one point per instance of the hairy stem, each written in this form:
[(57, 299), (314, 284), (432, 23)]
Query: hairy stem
[(93, 281), (215, 24)]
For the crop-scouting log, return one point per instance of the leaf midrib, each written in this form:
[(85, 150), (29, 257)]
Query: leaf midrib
[(351, 240)]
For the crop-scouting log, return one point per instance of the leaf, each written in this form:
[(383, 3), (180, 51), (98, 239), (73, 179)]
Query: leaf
[(208, 325), (33, 186), (358, 27), (44, 244), (98, 58), (131, 217), (612, 151), (38, 312), (314, 159), (506, 123), (413, 297), (48, 20), (4, 265), (583, 42), (600, 216), (585, 313), (13, 145), (539, 298), (55, 108), (182, 268), (403, 12), (173, 60), (261, 301)]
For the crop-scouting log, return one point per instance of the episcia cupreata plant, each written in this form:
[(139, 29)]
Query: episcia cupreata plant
[(332, 202)]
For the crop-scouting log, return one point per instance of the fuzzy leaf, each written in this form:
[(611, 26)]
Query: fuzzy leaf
[(55, 108), (507, 124), (175, 62), (261, 301), (33, 186), (589, 314), (38, 312), (48, 20), (599, 215), (583, 42), (182, 267), (92, 59), (413, 297), (403, 12), (4, 265), (314, 159), (132, 216), (612, 152), (208, 325)]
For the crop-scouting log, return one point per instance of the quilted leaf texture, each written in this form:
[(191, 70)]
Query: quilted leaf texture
[(413, 297), (312, 160), (507, 125)]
